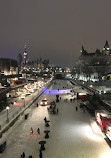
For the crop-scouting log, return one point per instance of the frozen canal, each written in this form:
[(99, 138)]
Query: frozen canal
[(73, 134)]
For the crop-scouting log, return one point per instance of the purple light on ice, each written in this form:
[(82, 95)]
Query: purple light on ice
[(56, 91)]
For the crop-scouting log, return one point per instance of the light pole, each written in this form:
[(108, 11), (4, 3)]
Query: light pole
[(23, 102), (7, 108)]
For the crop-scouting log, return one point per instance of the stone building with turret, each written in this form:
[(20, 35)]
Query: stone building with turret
[(96, 64)]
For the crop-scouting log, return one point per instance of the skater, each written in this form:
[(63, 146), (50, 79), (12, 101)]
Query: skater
[(31, 130), (60, 98), (54, 111), (76, 108), (23, 155), (38, 131), (57, 110), (40, 154), (45, 119), (37, 104)]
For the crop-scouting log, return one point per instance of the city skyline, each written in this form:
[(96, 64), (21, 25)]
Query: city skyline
[(54, 29)]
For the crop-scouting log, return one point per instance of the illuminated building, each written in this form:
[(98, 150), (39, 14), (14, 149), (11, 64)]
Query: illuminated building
[(25, 56), (93, 66), (8, 70)]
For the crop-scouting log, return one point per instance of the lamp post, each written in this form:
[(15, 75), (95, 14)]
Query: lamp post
[(23, 102), (7, 108)]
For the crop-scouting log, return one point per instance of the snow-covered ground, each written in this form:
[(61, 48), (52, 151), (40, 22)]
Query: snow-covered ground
[(73, 134)]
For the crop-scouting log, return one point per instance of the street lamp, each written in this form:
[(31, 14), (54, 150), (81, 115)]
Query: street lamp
[(24, 102), (7, 108)]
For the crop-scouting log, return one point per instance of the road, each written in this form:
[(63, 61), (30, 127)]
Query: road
[(73, 134), (14, 109)]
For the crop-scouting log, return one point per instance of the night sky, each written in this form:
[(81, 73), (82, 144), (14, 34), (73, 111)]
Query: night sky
[(54, 29)]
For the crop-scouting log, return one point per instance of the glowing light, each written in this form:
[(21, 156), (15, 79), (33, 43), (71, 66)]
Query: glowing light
[(95, 128), (17, 103), (98, 118), (7, 107), (82, 93), (107, 154), (55, 91), (107, 48), (92, 135)]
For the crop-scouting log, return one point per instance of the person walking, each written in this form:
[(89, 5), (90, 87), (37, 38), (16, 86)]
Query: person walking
[(57, 110), (76, 108)]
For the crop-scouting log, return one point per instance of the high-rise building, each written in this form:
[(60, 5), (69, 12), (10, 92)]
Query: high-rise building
[(25, 56)]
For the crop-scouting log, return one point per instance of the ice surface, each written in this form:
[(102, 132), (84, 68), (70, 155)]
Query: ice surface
[(73, 134)]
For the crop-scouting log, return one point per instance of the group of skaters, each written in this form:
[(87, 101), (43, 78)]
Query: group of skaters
[(53, 108), (30, 156), (32, 131), (54, 111)]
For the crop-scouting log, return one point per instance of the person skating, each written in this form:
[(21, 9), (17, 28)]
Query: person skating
[(23, 155), (45, 119), (38, 131), (31, 130)]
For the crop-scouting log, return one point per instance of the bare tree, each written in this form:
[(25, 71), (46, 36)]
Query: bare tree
[(100, 66)]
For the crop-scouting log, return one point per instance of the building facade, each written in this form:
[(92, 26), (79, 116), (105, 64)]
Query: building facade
[(93, 66), (8, 70)]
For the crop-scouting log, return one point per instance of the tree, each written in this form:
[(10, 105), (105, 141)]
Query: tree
[(99, 66), (46, 63)]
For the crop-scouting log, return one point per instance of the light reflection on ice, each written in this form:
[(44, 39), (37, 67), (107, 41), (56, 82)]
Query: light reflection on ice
[(93, 135), (106, 154)]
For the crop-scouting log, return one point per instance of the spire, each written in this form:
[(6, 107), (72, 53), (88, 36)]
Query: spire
[(82, 50), (25, 55), (106, 46)]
